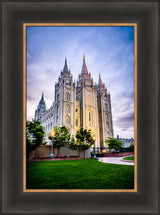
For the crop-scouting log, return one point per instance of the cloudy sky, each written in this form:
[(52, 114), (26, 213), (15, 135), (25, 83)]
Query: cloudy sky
[(108, 51)]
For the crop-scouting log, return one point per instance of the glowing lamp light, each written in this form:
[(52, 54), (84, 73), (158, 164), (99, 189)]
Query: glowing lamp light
[(104, 150), (52, 135)]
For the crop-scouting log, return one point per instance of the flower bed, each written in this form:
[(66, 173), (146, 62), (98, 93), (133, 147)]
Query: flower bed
[(122, 154), (56, 159)]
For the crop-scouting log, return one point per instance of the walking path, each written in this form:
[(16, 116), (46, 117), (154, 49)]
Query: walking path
[(115, 160)]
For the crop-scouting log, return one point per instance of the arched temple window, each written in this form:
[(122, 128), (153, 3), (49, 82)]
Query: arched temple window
[(106, 106), (90, 117), (67, 119), (107, 125), (68, 96), (107, 134), (67, 108), (76, 122)]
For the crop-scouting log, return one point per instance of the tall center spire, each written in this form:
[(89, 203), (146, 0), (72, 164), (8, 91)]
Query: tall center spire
[(84, 67)]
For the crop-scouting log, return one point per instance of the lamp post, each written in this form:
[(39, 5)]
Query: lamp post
[(94, 147), (52, 134)]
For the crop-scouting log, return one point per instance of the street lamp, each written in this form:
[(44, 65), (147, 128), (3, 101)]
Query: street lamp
[(52, 134), (94, 147)]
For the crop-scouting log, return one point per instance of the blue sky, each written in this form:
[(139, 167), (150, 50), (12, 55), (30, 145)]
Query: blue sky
[(108, 51)]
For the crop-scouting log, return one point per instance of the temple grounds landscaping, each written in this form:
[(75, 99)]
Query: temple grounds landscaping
[(78, 174), (130, 158)]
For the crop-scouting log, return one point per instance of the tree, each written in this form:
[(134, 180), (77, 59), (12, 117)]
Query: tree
[(84, 139), (131, 147), (115, 144), (72, 144), (34, 135), (62, 137)]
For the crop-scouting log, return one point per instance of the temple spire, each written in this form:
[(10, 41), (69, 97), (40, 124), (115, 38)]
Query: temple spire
[(101, 85), (42, 99), (84, 67), (65, 68), (100, 80)]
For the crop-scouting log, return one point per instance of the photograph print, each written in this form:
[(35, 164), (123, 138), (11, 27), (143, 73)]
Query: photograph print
[(80, 101)]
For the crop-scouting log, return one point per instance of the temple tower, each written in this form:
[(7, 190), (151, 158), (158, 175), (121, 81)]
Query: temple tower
[(65, 100), (86, 94), (104, 113)]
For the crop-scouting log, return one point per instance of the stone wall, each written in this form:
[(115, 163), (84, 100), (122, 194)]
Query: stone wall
[(45, 150)]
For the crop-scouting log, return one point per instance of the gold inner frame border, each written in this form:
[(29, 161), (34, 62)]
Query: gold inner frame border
[(25, 25)]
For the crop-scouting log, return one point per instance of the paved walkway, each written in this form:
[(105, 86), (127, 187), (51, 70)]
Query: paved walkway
[(115, 160)]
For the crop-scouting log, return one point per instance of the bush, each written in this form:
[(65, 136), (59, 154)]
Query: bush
[(97, 154), (113, 143), (34, 135)]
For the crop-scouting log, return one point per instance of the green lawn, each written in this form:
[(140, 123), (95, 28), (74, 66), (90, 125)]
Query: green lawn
[(130, 158), (78, 174)]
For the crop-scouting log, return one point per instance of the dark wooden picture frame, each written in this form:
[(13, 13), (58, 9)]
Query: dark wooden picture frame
[(14, 200)]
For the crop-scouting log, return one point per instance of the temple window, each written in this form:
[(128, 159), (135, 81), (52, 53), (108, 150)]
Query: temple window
[(67, 119), (68, 96), (107, 134), (57, 97), (90, 118), (67, 108), (106, 107), (107, 125), (76, 122)]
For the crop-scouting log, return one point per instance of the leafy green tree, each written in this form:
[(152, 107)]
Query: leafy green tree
[(84, 139), (34, 135), (114, 143), (72, 144), (62, 137), (131, 147)]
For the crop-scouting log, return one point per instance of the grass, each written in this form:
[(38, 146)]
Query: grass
[(78, 174), (130, 158)]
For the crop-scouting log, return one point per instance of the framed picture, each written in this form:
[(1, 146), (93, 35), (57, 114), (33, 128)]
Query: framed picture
[(26, 26), (79, 107)]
